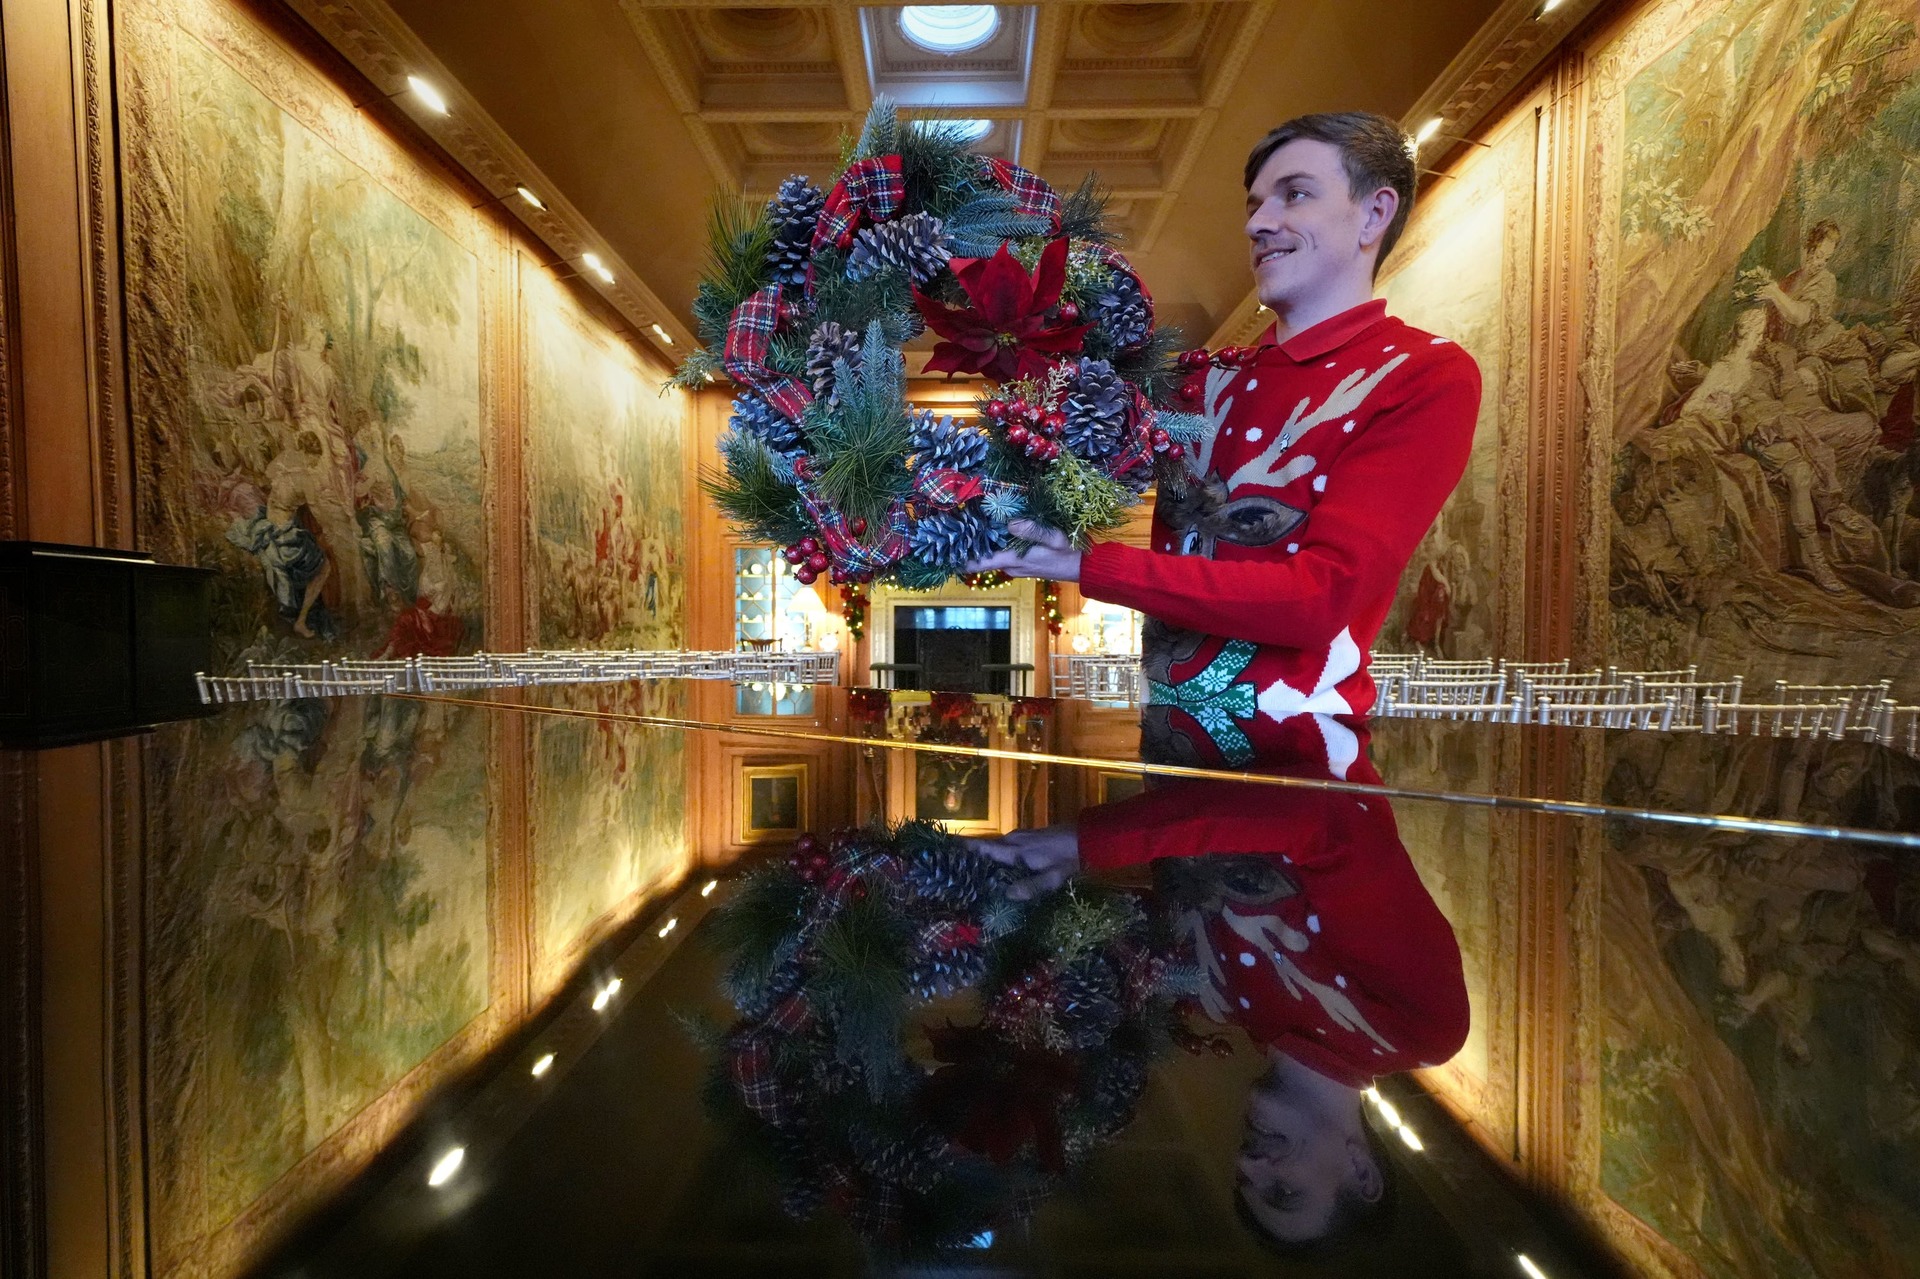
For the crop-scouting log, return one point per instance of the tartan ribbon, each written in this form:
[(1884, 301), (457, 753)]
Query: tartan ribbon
[(750, 1062), (1215, 700), (872, 189), (849, 554), (1136, 446), (1028, 189), (941, 936), (749, 338)]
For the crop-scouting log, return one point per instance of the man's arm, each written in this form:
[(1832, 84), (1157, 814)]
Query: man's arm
[(1383, 494)]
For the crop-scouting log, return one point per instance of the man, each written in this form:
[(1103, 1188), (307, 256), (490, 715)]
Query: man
[(1331, 448), (1312, 932)]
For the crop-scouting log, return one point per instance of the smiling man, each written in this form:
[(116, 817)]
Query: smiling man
[(1330, 449)]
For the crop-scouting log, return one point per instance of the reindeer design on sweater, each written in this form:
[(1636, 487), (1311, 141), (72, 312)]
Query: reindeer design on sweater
[(1204, 512)]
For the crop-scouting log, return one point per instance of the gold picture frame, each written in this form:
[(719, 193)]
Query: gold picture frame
[(1112, 787), (772, 802)]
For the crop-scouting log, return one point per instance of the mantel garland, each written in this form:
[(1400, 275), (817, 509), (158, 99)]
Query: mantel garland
[(807, 303)]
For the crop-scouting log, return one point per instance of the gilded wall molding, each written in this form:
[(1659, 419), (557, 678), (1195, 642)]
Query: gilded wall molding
[(22, 1127)]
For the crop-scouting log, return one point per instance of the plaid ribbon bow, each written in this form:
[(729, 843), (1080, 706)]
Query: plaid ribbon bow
[(1215, 700), (872, 189), (749, 338), (848, 553), (1028, 189), (750, 1062)]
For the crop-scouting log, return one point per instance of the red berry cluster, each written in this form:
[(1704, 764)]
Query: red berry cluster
[(1029, 427), (810, 859), (808, 560)]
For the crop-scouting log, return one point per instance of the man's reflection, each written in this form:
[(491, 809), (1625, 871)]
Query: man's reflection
[(1314, 935)]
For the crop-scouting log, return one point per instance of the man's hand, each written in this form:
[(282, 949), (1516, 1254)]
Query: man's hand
[(1051, 555), (1051, 856)]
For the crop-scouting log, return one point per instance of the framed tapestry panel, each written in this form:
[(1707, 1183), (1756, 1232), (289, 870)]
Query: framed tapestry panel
[(309, 319), (1754, 293), (605, 468)]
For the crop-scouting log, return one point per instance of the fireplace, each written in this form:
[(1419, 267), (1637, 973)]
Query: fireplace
[(958, 640), (954, 647)]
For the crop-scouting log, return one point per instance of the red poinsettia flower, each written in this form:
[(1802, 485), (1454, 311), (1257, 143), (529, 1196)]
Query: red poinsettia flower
[(1005, 333)]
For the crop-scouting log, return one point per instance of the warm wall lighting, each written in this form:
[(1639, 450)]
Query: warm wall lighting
[(1528, 1268), (448, 1165), (526, 194), (1548, 8), (710, 886), (428, 95), (663, 335), (669, 926), (595, 265), (605, 997), (1427, 130), (543, 1065), (1411, 1138)]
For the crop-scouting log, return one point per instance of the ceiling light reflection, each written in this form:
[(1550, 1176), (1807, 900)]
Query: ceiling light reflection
[(448, 1165), (527, 195), (542, 1066), (605, 997)]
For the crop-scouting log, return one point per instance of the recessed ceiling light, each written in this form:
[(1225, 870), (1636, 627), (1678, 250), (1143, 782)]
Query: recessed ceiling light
[(1427, 130), (527, 194), (427, 94), (965, 130), (663, 335), (949, 28)]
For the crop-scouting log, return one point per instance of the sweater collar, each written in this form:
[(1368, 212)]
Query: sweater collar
[(1331, 333)]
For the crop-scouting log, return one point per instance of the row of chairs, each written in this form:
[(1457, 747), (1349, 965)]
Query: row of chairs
[(1678, 699), (511, 670)]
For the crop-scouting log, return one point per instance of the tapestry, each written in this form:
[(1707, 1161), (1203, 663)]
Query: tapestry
[(328, 462), (305, 342), (1464, 856), (313, 937), (1462, 271), (605, 472), (1759, 1046), (1763, 276), (605, 467)]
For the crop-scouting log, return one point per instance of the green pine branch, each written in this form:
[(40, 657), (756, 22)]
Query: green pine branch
[(1083, 214), (751, 491)]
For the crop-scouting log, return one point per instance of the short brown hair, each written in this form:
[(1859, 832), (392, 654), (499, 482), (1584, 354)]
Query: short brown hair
[(1373, 151)]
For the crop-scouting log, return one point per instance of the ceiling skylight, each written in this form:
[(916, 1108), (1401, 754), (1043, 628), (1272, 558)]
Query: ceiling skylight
[(965, 130), (949, 28)]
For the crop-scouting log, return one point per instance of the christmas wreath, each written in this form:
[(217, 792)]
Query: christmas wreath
[(923, 1136), (808, 301)]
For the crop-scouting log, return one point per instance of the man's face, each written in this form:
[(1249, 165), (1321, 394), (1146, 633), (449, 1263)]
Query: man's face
[(1293, 1161), (1304, 227)]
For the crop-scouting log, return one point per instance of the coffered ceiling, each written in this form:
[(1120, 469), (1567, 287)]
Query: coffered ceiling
[(629, 116)]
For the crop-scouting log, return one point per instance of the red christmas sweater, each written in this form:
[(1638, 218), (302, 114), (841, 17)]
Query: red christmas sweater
[(1319, 939), (1327, 459)]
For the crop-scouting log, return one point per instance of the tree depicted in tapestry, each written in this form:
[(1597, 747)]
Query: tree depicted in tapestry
[(331, 465), (1767, 337)]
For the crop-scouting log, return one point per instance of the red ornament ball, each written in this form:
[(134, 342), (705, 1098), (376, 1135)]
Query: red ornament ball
[(1017, 434), (818, 561), (858, 528)]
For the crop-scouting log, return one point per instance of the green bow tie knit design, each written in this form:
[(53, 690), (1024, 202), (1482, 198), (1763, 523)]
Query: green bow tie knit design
[(1216, 701)]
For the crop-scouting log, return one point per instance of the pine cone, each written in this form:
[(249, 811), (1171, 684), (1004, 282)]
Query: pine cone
[(939, 975), (1096, 411), (915, 244), (951, 877), (1087, 1004), (912, 1160), (1118, 1081), (830, 342), (943, 443), (948, 539), (794, 211), (1121, 309), (754, 417)]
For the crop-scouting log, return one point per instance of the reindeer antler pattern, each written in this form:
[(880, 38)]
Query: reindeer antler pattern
[(1345, 399)]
